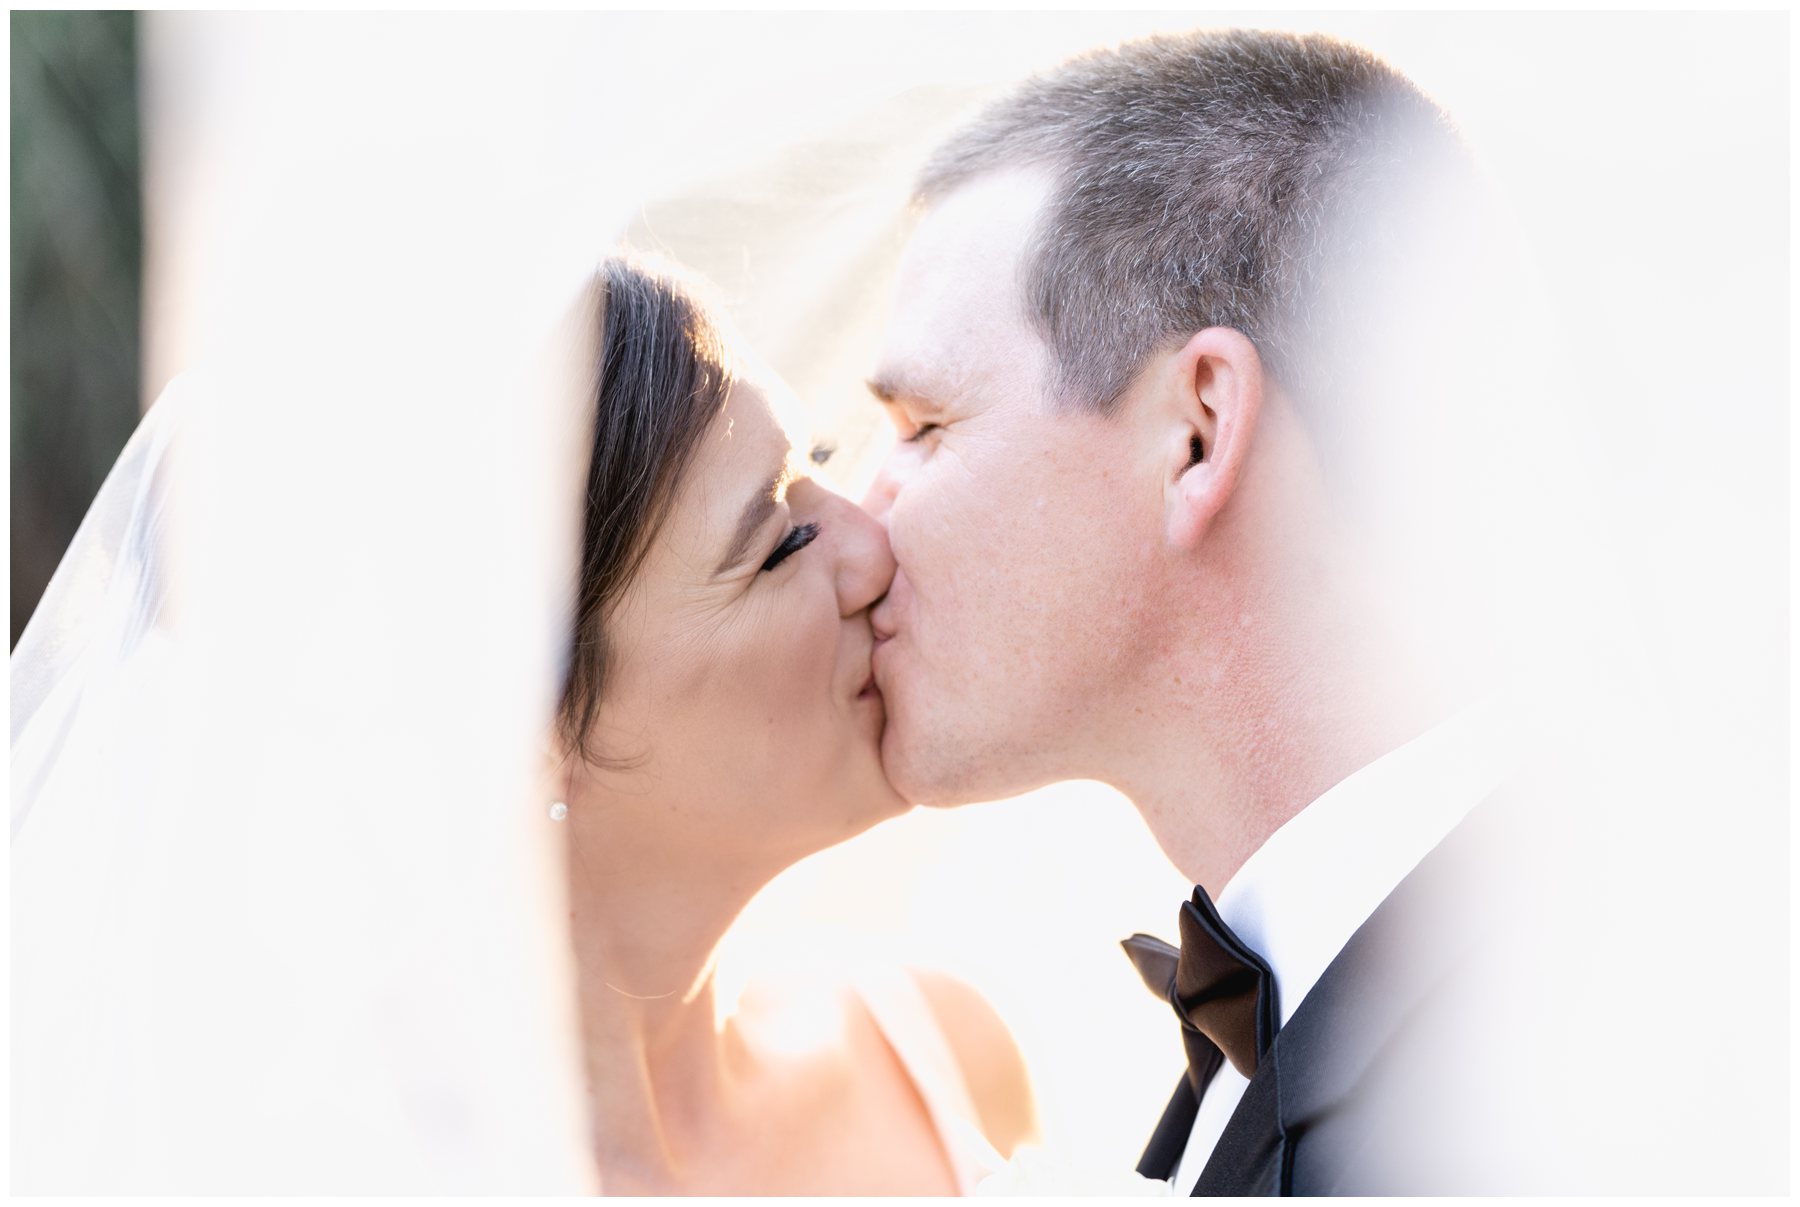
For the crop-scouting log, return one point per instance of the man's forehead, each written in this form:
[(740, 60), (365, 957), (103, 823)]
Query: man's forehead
[(937, 363), (966, 252), (994, 212), (958, 316)]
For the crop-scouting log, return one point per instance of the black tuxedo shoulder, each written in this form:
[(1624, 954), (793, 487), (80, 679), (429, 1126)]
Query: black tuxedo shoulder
[(1360, 1093)]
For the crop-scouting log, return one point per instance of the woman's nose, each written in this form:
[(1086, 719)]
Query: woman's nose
[(865, 562)]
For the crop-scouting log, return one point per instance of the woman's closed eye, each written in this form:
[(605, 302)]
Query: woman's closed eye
[(923, 430), (797, 539)]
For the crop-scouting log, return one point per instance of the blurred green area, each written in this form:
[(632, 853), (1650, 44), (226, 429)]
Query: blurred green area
[(77, 253)]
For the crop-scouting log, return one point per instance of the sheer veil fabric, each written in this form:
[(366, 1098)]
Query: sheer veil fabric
[(286, 912), (287, 916)]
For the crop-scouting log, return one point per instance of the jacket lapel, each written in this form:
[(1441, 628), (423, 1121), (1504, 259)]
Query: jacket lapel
[(1430, 925)]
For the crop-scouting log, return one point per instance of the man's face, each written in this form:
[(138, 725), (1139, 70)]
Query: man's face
[(1023, 531)]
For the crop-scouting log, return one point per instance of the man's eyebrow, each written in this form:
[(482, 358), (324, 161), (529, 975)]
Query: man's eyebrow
[(884, 388), (755, 514), (890, 388)]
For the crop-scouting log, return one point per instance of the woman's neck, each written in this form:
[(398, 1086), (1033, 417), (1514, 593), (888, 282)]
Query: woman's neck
[(660, 1069)]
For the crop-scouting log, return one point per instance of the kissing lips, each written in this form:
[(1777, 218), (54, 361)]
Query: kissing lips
[(875, 656), (869, 703)]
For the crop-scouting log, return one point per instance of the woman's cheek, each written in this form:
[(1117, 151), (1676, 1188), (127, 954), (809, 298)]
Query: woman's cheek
[(811, 647)]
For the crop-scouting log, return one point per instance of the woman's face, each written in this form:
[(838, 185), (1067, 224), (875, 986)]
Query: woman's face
[(739, 697)]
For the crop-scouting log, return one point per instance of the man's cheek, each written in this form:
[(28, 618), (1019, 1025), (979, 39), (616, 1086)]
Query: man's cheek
[(901, 521), (927, 539)]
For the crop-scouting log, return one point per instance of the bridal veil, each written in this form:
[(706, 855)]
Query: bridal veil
[(286, 912), (284, 906)]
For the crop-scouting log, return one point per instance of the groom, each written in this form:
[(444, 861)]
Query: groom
[(1159, 353)]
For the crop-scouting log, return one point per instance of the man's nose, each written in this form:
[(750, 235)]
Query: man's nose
[(880, 498)]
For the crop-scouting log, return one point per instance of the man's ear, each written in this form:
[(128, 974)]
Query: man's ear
[(1212, 395)]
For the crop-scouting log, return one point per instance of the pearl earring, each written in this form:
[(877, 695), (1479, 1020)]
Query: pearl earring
[(558, 811)]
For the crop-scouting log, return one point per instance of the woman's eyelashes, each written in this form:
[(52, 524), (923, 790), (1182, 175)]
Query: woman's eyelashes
[(921, 432), (796, 540)]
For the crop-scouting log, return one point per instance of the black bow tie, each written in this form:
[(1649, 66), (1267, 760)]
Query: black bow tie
[(1223, 992)]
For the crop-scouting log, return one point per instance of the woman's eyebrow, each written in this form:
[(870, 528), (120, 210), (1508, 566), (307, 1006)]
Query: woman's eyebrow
[(755, 514)]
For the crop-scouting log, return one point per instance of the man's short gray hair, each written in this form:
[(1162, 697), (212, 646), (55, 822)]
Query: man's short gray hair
[(1227, 179)]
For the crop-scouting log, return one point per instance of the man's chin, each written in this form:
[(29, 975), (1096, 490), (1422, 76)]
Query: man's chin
[(923, 777)]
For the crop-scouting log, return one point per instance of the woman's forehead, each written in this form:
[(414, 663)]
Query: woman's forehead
[(746, 444), (744, 456)]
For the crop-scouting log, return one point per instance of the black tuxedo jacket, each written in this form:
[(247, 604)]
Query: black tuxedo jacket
[(1368, 1090)]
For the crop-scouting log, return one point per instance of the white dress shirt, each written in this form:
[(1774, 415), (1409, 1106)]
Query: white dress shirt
[(1315, 881)]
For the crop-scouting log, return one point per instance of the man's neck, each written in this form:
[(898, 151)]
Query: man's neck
[(1265, 736)]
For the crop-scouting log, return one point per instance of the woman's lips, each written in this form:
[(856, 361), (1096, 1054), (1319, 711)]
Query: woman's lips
[(872, 685), (875, 661)]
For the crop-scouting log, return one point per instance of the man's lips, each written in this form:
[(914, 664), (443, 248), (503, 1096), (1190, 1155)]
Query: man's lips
[(881, 620)]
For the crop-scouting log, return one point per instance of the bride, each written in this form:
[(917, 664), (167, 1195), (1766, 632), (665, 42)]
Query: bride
[(720, 721), (277, 922)]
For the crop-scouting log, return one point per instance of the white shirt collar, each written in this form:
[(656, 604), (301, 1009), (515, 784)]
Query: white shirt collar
[(1315, 881)]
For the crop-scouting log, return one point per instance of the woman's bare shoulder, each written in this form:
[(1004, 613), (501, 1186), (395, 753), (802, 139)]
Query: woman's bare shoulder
[(822, 1013), (991, 1062), (800, 1008)]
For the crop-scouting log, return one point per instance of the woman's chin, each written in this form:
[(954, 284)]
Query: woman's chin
[(873, 799), (880, 799), (884, 800), (832, 810)]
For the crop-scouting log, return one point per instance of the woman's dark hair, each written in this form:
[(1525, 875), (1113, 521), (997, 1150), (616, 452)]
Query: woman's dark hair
[(664, 377)]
